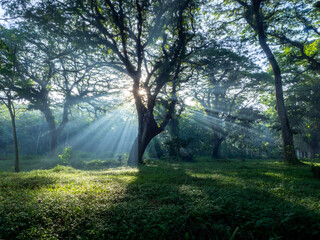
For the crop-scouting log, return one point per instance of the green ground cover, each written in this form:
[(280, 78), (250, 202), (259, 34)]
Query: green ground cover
[(202, 200)]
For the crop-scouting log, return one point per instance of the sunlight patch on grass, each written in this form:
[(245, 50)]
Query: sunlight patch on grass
[(274, 175), (220, 179)]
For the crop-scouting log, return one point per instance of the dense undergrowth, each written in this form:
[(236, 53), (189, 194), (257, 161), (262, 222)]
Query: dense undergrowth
[(202, 200)]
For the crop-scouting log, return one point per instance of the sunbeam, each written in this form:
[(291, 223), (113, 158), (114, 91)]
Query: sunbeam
[(109, 135), (220, 125)]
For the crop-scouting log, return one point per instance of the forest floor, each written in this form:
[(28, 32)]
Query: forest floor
[(252, 199)]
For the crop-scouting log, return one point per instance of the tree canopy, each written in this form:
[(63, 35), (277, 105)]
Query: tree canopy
[(209, 60)]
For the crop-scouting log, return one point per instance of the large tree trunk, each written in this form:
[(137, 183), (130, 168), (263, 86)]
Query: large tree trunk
[(54, 135), (216, 143), (52, 129), (287, 136), (147, 130), (53, 142)]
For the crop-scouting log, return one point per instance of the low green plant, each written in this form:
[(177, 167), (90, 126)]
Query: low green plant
[(66, 155)]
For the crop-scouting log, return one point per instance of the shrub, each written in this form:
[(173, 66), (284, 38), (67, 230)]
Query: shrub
[(66, 155)]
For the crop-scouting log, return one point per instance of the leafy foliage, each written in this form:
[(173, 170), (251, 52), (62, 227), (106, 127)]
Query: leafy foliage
[(66, 155)]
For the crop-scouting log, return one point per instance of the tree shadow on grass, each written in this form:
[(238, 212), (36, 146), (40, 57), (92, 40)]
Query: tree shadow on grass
[(161, 201), (19, 203), (25, 181), (170, 203)]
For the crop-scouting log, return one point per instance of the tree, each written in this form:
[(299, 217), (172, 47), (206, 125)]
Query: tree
[(146, 39), (304, 106), (221, 86), (7, 95), (256, 13), (177, 145), (52, 73), (303, 101), (296, 35), (302, 47)]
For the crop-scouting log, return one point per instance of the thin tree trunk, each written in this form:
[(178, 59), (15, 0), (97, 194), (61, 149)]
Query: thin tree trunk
[(38, 141), (15, 138), (16, 148), (13, 119)]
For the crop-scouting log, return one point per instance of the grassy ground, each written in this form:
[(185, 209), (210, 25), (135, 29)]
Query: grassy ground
[(203, 200), (78, 160)]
